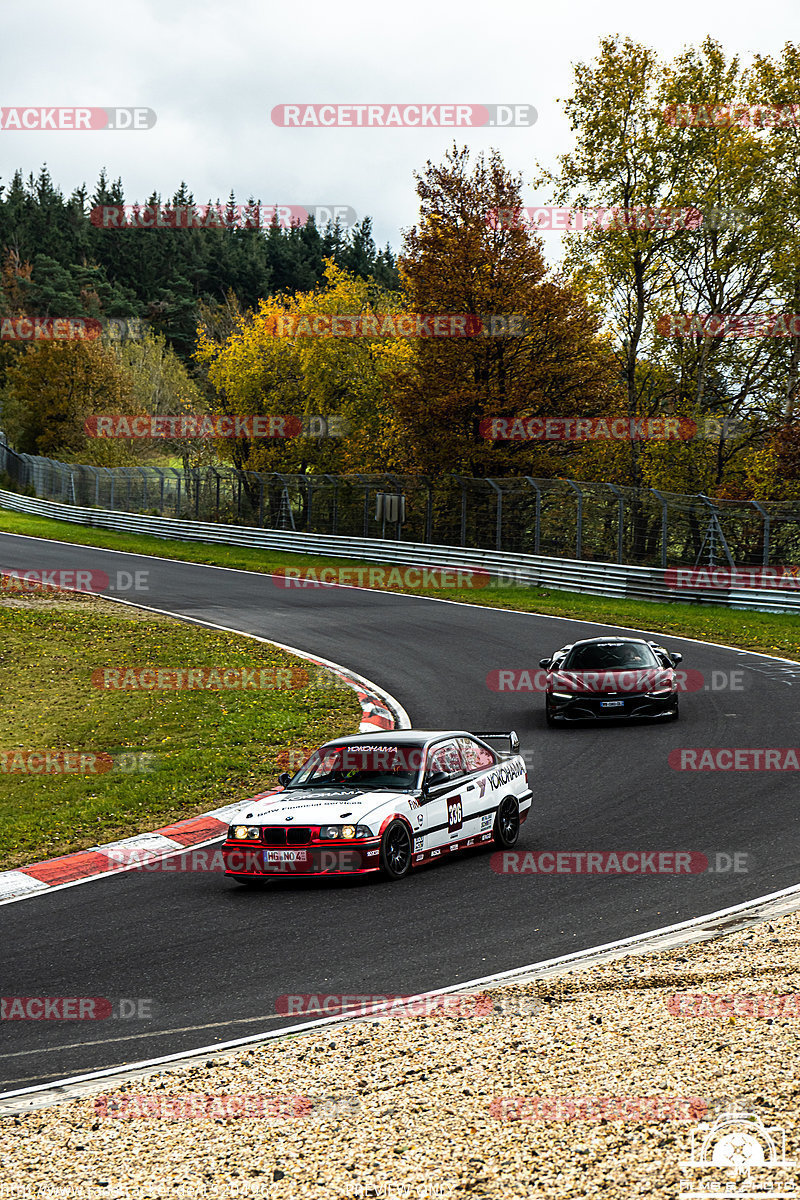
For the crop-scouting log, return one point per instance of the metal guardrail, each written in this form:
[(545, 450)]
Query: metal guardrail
[(592, 578)]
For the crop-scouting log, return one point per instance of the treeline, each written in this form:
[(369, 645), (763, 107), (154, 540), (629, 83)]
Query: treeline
[(61, 263), (626, 330)]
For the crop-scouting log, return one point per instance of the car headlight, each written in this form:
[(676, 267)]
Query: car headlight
[(243, 832), (660, 692), (345, 832), (562, 695)]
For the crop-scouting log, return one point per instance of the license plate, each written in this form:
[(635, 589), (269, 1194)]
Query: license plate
[(284, 856), (612, 703)]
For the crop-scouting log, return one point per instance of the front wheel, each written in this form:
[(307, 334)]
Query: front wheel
[(506, 823), (395, 858)]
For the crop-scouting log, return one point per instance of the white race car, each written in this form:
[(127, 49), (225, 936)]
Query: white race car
[(382, 802)]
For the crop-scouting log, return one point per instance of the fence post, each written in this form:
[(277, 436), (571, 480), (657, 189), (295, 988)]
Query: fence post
[(538, 523), (767, 519), (664, 526), (579, 523), (620, 519), (161, 477), (499, 520), (143, 474), (334, 479)]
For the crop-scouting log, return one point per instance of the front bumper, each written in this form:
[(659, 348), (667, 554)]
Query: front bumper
[(253, 860), (605, 707)]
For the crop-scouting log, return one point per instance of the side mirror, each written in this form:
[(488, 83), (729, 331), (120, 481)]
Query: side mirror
[(436, 778), (676, 658), (284, 778), (514, 740), (544, 663)]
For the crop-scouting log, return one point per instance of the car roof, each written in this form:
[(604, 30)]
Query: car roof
[(399, 737), (610, 638)]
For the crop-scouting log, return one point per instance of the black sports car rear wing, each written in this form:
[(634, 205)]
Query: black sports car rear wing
[(510, 737)]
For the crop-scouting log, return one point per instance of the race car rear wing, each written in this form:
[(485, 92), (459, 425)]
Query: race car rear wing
[(510, 737)]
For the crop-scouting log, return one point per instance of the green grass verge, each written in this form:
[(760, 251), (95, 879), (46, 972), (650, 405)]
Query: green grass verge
[(771, 633), (209, 747)]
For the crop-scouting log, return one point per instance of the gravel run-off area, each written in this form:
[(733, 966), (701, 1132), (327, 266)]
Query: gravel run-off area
[(588, 1083)]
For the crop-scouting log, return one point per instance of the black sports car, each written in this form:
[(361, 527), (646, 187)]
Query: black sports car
[(611, 677)]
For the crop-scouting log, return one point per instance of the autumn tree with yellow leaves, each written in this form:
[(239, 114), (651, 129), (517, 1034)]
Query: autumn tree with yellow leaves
[(255, 369)]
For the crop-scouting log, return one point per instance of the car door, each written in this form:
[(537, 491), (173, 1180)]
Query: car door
[(443, 799), (480, 801)]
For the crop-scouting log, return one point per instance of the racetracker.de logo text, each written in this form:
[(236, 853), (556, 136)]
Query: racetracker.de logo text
[(692, 578), (598, 1108), (171, 679), (586, 429), (402, 116), (220, 216), (202, 1107), (590, 682), (762, 1005), (380, 577), (396, 325), (728, 325), (759, 116), (48, 329), (456, 1006), (72, 580), (735, 758), (73, 1008), (27, 119), (190, 425), (599, 862)]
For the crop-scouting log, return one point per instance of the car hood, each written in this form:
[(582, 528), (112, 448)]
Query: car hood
[(594, 683), (316, 806)]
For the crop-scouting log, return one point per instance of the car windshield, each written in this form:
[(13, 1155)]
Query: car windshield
[(360, 765), (609, 656)]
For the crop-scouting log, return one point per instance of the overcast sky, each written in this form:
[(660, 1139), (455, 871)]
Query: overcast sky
[(213, 74)]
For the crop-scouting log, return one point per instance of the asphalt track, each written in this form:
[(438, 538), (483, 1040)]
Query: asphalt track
[(212, 957)]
